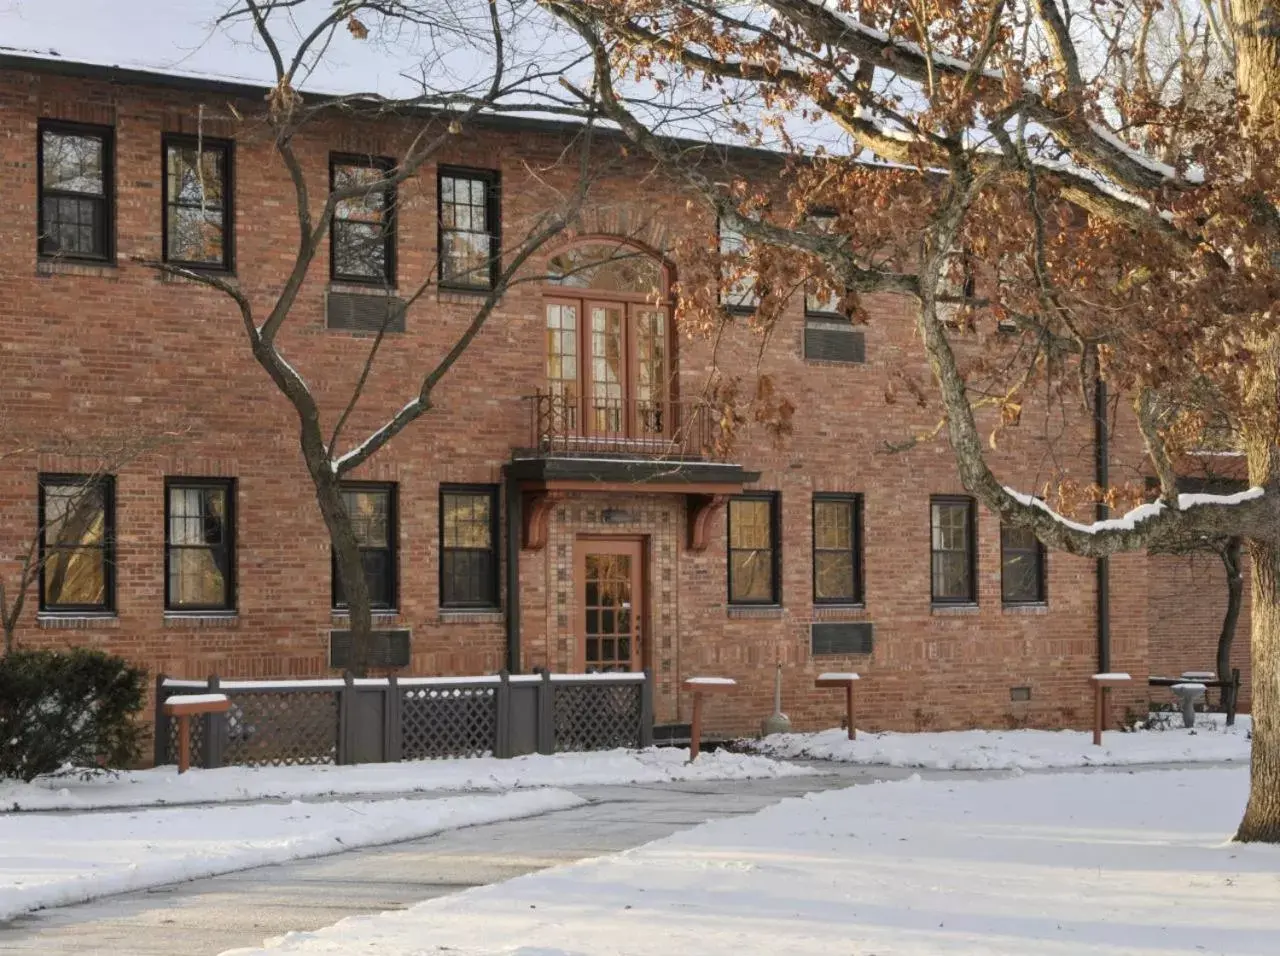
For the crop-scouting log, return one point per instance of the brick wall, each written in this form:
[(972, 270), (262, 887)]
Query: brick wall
[(99, 350), (1187, 603)]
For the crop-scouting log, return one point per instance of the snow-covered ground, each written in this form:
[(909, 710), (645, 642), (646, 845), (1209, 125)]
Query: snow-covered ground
[(164, 786), (55, 859), (1051, 865), (1210, 742)]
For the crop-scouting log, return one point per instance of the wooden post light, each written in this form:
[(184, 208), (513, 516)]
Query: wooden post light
[(700, 687), (846, 681), (1101, 684), (183, 706)]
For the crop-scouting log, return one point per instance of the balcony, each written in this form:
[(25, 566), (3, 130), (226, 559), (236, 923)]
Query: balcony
[(673, 431)]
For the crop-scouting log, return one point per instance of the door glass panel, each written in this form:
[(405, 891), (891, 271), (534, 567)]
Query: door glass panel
[(562, 366), (651, 371), (608, 618), (606, 369)]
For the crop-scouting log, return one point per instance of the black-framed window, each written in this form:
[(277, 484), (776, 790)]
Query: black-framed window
[(818, 302), (76, 519), (739, 287), (837, 549), (468, 546), (470, 219), (1022, 566), (198, 193), (362, 240), (753, 528), (77, 191), (372, 508), (199, 544), (953, 530)]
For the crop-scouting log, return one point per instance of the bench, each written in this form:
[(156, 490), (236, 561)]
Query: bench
[(184, 707), (1209, 679)]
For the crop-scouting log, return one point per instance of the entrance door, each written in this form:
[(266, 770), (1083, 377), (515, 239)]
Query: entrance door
[(610, 603)]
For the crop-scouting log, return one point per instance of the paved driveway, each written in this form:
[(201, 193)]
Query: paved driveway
[(205, 917)]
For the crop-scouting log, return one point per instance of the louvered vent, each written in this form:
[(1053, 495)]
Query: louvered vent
[(390, 648), (353, 312), (841, 637), (834, 342)]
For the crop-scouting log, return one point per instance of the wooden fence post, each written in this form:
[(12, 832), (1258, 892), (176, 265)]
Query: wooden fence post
[(214, 725), (502, 716), (546, 715), (646, 711), (160, 725), (346, 696), (392, 730)]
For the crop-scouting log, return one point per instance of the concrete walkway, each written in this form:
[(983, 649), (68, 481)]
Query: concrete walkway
[(206, 917)]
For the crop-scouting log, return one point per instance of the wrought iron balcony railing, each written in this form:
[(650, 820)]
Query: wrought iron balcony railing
[(676, 430)]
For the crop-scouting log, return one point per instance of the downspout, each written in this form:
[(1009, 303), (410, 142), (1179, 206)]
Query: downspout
[(1103, 481), (513, 573)]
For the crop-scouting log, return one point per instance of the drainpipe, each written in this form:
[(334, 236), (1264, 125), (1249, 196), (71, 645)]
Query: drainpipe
[(1103, 480), (513, 573)]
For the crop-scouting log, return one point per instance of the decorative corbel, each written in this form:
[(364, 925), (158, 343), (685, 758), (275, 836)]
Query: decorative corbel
[(536, 511), (701, 509)]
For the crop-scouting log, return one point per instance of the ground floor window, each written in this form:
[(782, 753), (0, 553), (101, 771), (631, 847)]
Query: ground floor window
[(469, 546), (372, 508), (77, 543), (1021, 566), (753, 549), (954, 550), (837, 549), (199, 544)]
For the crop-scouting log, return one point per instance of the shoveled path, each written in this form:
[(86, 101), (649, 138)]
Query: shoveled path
[(206, 917)]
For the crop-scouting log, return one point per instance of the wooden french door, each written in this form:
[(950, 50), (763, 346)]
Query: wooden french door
[(609, 583)]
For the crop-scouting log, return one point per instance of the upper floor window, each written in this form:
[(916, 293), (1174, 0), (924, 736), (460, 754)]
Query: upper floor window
[(837, 549), (76, 191), (199, 544), (372, 509), (954, 550), (362, 240), (1021, 566), (818, 301), (739, 288), (77, 543), (753, 549), (197, 202), (469, 219), (608, 352), (468, 546)]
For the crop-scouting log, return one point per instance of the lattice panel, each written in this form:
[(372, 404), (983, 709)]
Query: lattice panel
[(282, 728), (448, 722), (597, 716)]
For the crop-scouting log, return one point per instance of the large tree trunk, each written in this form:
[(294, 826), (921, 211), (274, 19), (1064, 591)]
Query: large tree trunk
[(1261, 821), (1235, 598)]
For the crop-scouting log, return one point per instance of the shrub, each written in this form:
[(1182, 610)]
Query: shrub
[(67, 707)]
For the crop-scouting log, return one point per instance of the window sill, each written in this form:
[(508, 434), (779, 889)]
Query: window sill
[(475, 615), (944, 610), (76, 619), (343, 616), (826, 611), (222, 275), (450, 293), (754, 612), (740, 309), (210, 619), (75, 267), (346, 286), (1031, 607)]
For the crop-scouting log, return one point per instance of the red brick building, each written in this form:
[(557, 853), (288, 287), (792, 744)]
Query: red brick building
[(500, 530)]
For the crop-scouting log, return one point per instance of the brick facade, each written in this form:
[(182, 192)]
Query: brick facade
[(92, 350)]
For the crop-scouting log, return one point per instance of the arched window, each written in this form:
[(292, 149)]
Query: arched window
[(608, 354)]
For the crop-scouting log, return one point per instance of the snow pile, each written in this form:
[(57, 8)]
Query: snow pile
[(164, 786), (1209, 742), (1051, 865), (52, 860)]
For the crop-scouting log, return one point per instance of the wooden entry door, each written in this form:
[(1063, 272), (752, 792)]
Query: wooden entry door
[(610, 601)]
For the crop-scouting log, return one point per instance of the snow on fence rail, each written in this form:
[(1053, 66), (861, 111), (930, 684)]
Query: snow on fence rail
[(373, 720)]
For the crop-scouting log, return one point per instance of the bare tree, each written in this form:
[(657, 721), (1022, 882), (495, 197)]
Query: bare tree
[(1107, 255), (444, 104)]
